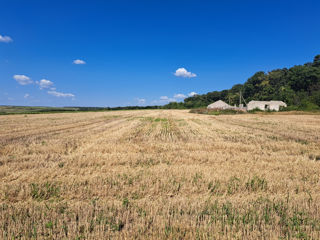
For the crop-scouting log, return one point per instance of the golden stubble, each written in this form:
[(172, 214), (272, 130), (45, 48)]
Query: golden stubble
[(159, 174)]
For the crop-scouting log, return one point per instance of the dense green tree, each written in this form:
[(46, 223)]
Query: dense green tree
[(316, 61)]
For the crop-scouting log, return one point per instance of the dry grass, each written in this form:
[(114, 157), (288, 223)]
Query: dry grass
[(159, 174)]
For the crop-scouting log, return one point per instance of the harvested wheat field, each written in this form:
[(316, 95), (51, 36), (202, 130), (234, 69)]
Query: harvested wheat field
[(159, 174)]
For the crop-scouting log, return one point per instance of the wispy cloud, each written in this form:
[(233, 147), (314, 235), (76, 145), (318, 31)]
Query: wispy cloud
[(79, 61), (179, 96), (61, 94), (165, 99), (141, 100), (44, 83), (182, 72), (23, 79), (192, 94), (5, 39)]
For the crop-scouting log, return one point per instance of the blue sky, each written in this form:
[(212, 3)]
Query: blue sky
[(132, 49)]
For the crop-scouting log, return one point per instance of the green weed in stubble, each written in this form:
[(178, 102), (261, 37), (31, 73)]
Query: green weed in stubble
[(65, 228), (256, 183), (149, 162), (233, 185), (61, 165), (49, 225), (125, 202), (214, 187), (44, 191), (259, 213), (168, 230), (196, 178)]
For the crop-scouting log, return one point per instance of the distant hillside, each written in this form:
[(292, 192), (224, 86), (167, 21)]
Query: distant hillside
[(298, 86)]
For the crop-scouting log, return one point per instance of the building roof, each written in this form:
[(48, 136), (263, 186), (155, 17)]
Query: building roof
[(253, 102), (219, 104), (267, 102), (278, 102)]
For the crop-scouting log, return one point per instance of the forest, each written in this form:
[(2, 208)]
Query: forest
[(298, 86)]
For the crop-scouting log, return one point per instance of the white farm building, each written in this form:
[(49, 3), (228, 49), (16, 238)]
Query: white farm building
[(262, 105), (266, 105)]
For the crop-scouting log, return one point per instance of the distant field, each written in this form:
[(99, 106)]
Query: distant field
[(22, 109), (159, 174)]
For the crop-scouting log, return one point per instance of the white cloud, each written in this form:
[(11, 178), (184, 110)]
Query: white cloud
[(179, 95), (182, 72), (164, 98), (60, 94), (44, 83), (22, 79), (53, 88), (176, 98), (192, 94), (5, 39), (141, 100), (27, 95), (79, 61)]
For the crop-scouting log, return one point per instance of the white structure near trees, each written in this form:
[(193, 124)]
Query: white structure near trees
[(262, 105), (219, 105), (265, 105)]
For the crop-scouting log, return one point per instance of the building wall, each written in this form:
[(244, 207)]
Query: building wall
[(265, 105), (260, 105), (218, 107), (276, 105)]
